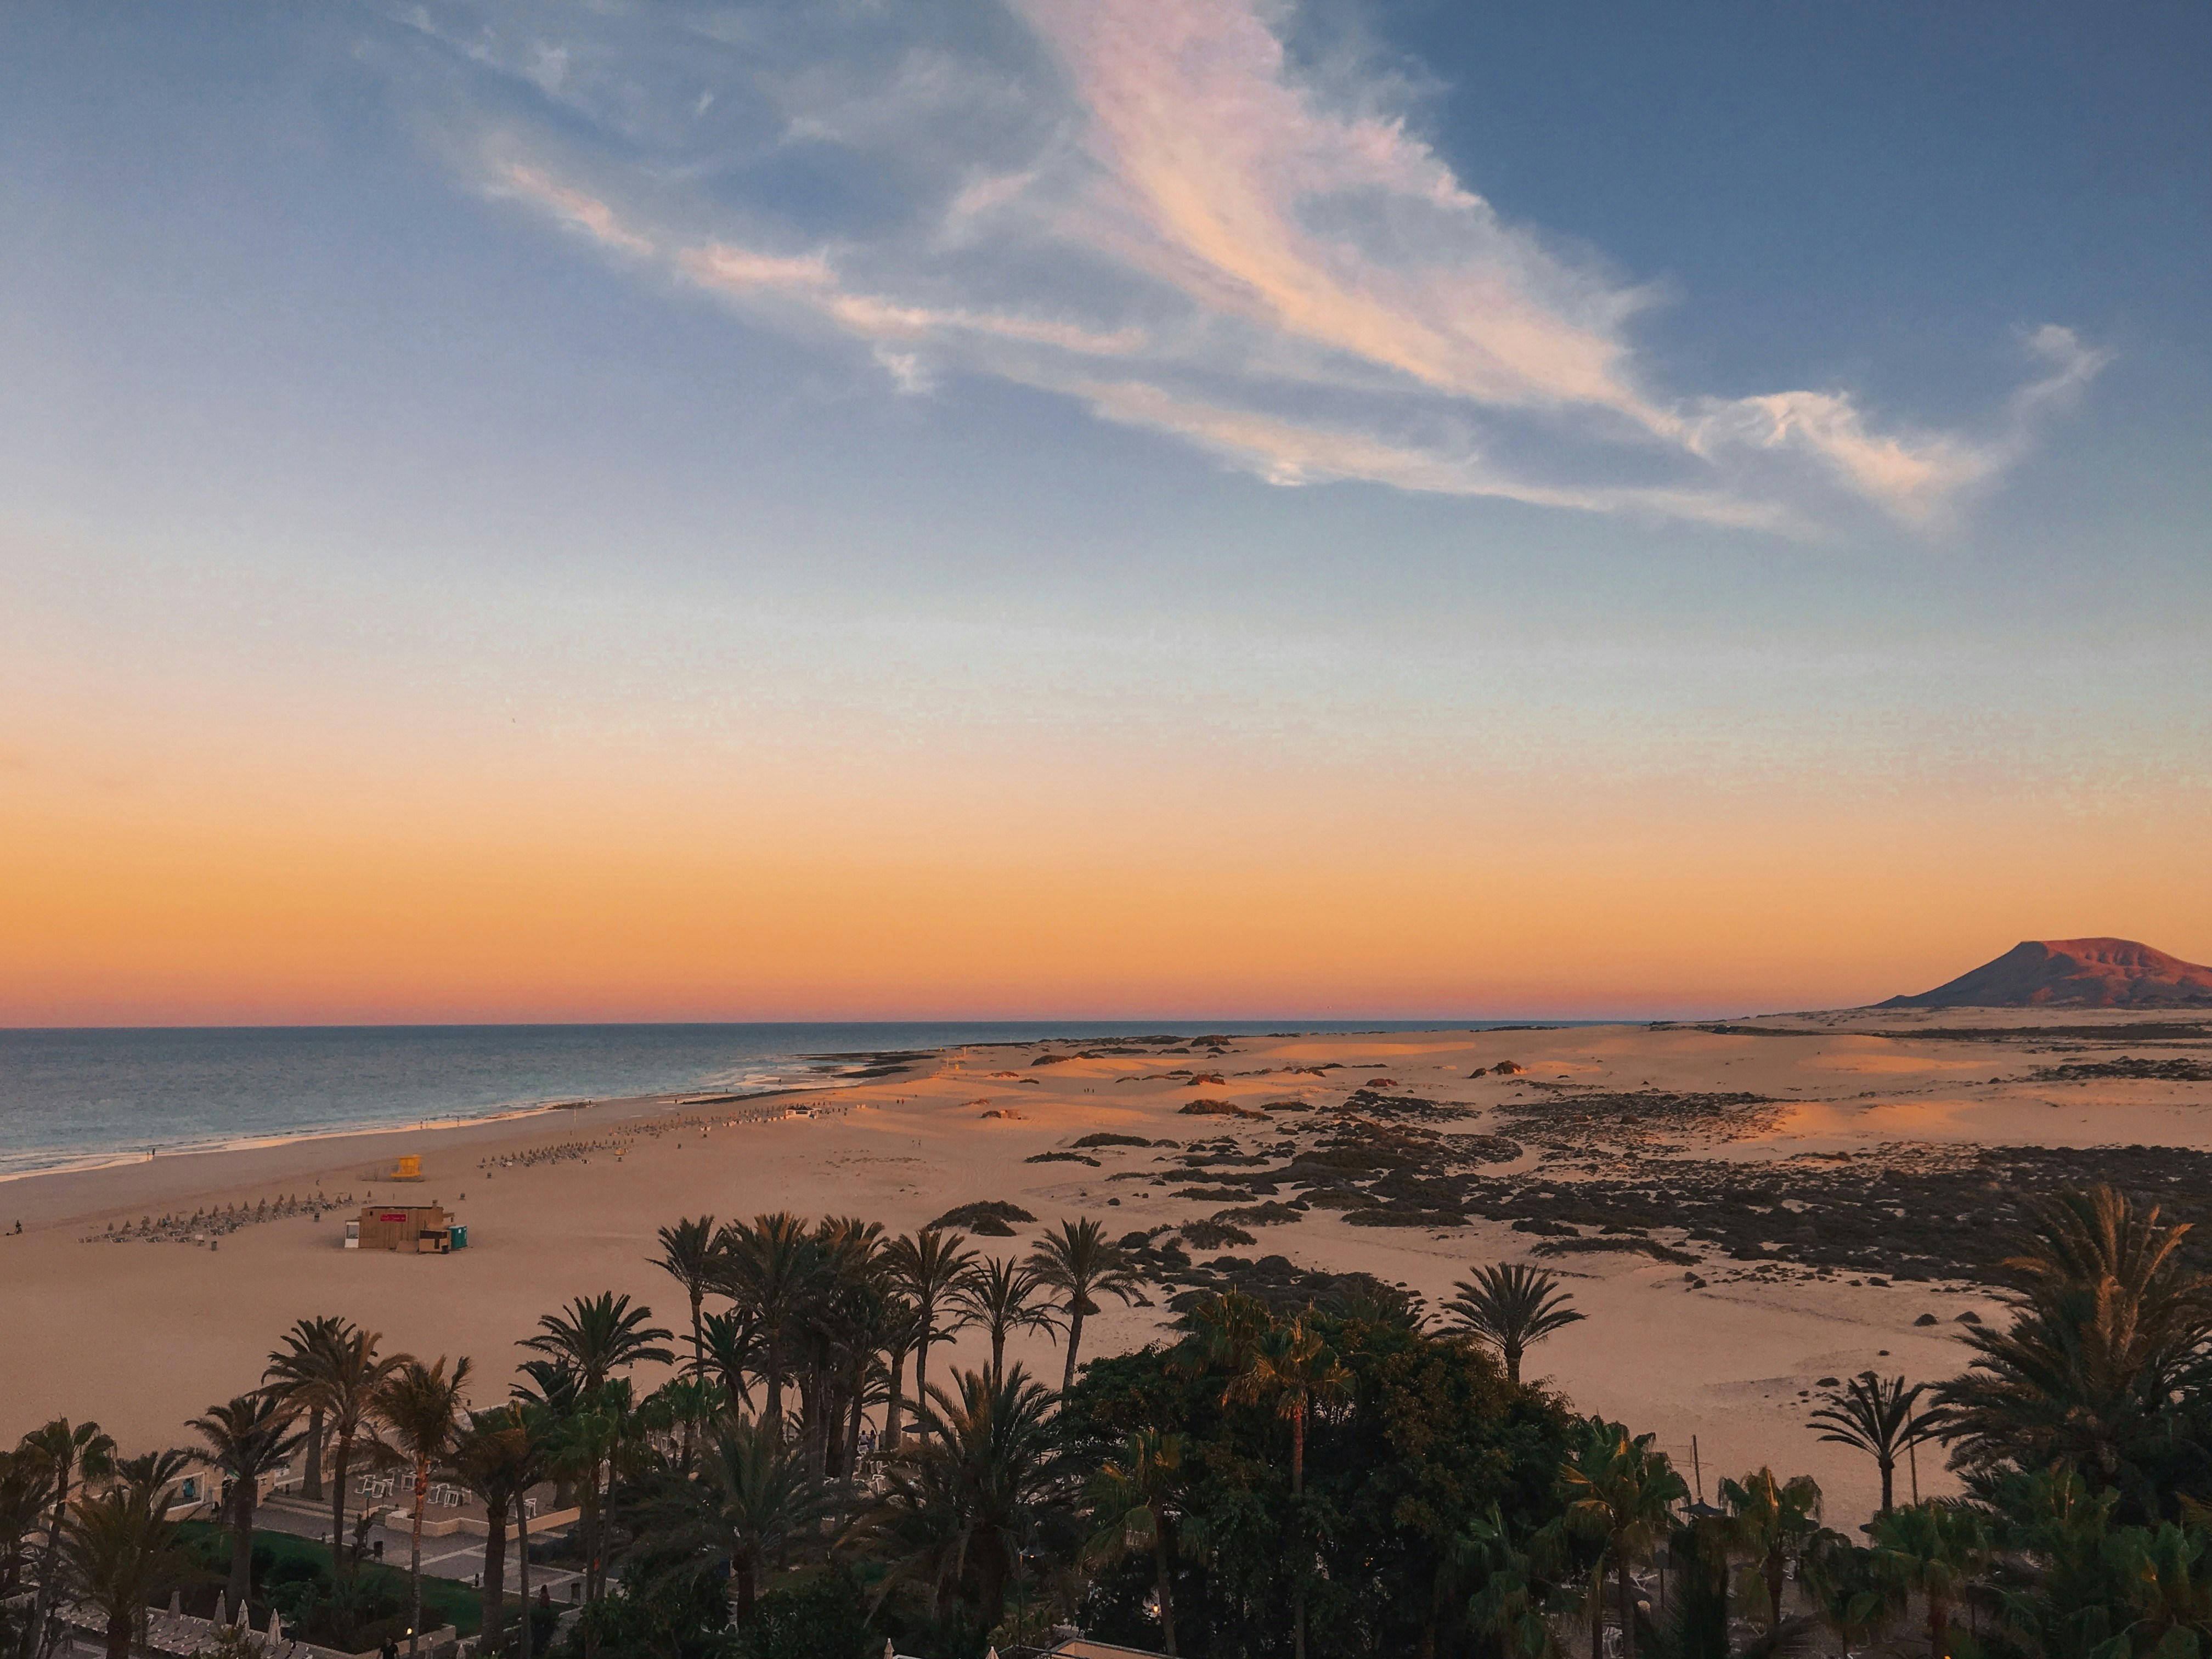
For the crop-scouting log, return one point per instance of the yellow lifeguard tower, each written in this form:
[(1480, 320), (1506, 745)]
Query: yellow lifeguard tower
[(409, 1168)]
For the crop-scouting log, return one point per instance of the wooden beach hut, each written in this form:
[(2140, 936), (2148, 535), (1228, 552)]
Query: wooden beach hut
[(415, 1229)]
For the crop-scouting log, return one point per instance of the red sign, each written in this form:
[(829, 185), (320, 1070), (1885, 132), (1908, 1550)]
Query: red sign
[(393, 1215)]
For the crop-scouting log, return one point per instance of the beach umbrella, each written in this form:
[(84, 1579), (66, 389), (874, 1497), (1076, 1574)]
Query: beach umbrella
[(276, 1627), (177, 1603)]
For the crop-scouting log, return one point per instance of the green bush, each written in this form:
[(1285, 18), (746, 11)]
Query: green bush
[(826, 1617), (295, 1575), (684, 1618), (1213, 1235), (990, 1217)]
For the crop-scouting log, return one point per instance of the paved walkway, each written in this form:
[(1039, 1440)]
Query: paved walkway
[(459, 1557)]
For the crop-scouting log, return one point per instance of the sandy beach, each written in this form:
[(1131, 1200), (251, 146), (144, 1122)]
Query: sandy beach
[(1791, 1123)]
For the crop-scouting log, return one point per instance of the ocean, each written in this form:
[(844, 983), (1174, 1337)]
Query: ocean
[(78, 1098)]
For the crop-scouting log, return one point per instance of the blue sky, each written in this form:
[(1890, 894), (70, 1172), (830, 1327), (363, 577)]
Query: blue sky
[(1771, 404), (298, 224)]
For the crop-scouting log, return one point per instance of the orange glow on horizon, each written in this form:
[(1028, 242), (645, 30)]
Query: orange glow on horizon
[(188, 899)]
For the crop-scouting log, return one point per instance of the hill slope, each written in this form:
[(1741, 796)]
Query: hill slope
[(2082, 973)]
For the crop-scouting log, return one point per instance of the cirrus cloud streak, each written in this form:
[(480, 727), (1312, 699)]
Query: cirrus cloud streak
[(1294, 281)]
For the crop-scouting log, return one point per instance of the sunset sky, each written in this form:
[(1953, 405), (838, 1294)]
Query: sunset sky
[(1095, 507)]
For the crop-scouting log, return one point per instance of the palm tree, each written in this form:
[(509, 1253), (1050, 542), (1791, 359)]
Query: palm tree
[(598, 1337), (691, 1255), (1224, 1331), (496, 1458), (961, 1504), (926, 1267), (1509, 1607), (2109, 1327), (596, 1438), (1079, 1263), (999, 1294), (773, 1265), (588, 1341), (340, 1377), (733, 1353), (25, 1484), (2166, 1571), (1856, 1593), (1620, 1490), (247, 1438), (1512, 1308), (1130, 1501), (552, 1386), (1931, 1547), (754, 1499), (119, 1554), (538, 1425), (2091, 1237), (846, 1334), (1291, 1365), (1876, 1415), (555, 1393), (423, 1409), (1773, 1522), (901, 1329), (294, 1366), (157, 1473), (65, 1453), (685, 1405), (869, 1332)]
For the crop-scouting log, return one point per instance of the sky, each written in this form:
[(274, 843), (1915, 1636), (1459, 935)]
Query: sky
[(1064, 507)]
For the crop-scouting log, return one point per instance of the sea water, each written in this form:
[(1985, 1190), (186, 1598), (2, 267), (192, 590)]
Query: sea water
[(82, 1097)]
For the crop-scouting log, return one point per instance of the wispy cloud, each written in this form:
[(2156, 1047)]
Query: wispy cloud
[(1292, 279), (1293, 453), (1914, 475), (577, 207), (808, 282), (811, 280), (1345, 232)]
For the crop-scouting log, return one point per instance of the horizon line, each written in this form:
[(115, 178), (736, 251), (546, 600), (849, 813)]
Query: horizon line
[(1426, 1022)]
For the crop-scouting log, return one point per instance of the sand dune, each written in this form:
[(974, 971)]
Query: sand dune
[(1742, 1208)]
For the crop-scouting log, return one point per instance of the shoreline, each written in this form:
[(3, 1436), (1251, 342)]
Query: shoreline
[(869, 1060), (74, 1194), (93, 1164)]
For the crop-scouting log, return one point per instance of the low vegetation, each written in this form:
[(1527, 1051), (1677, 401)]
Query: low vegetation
[(991, 1217)]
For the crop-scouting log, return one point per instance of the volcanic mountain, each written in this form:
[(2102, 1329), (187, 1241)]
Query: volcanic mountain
[(2079, 973)]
